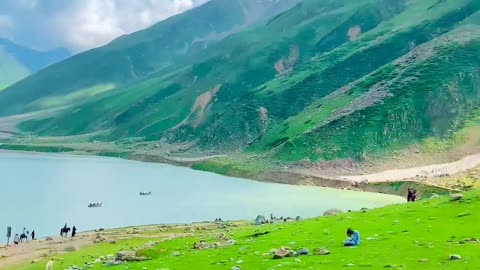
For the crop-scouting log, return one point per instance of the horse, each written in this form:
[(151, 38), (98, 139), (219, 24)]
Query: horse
[(64, 231), (23, 237)]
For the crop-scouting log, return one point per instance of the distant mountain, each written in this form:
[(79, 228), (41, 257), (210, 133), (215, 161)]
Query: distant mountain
[(17, 62), (325, 80), (138, 55)]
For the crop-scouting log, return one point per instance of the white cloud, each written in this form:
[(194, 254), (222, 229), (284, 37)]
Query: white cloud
[(90, 23)]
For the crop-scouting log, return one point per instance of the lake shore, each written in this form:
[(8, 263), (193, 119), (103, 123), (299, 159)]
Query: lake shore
[(395, 185), (421, 231)]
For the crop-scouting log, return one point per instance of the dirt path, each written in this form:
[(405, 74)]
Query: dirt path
[(33, 250), (423, 172)]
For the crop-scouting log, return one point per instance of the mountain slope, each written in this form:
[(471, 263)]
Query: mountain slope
[(326, 80), (17, 62), (10, 70), (136, 56)]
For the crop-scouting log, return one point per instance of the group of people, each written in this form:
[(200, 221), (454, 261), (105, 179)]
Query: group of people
[(95, 205), (412, 195), (17, 239), (218, 220)]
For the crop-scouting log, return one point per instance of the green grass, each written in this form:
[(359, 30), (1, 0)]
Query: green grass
[(420, 235), (72, 98), (36, 148)]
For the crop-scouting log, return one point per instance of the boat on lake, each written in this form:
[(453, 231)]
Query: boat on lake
[(146, 193), (95, 205)]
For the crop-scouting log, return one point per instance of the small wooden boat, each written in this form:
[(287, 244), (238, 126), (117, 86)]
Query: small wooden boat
[(146, 193), (95, 205)]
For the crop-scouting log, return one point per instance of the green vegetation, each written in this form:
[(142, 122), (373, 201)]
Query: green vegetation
[(36, 148), (326, 80), (420, 235)]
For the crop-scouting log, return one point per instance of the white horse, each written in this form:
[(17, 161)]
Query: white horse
[(49, 265)]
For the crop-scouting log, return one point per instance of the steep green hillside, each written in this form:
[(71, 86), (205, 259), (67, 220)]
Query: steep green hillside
[(419, 235), (158, 49), (17, 62), (325, 80)]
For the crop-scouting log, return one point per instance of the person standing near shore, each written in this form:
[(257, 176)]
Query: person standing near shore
[(33, 235), (16, 239), (74, 231)]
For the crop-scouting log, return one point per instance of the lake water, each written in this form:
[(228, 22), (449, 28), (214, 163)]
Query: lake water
[(43, 192)]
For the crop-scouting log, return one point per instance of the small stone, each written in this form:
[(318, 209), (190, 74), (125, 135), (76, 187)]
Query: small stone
[(454, 257), (239, 261), (424, 260), (176, 254), (303, 251), (323, 251), (298, 260), (348, 265), (236, 267), (456, 197)]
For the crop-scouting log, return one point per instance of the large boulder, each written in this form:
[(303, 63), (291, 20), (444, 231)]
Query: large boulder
[(128, 256), (332, 212), (260, 220), (284, 252)]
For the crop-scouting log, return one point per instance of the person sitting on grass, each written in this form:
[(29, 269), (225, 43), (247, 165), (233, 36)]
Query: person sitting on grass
[(353, 239)]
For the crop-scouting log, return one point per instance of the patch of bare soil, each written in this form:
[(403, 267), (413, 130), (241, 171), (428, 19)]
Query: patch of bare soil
[(199, 107)]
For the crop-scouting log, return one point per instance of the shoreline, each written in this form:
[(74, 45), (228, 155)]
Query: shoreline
[(293, 178)]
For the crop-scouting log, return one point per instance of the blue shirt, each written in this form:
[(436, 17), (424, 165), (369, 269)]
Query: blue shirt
[(356, 238)]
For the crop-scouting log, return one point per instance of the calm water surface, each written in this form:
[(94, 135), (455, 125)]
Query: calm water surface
[(43, 192)]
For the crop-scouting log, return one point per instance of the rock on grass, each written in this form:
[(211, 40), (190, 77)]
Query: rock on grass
[(456, 197), (454, 257)]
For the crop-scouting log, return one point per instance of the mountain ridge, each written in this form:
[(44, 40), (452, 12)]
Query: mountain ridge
[(20, 61), (322, 82)]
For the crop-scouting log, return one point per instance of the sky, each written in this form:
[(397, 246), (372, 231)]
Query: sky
[(80, 25)]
